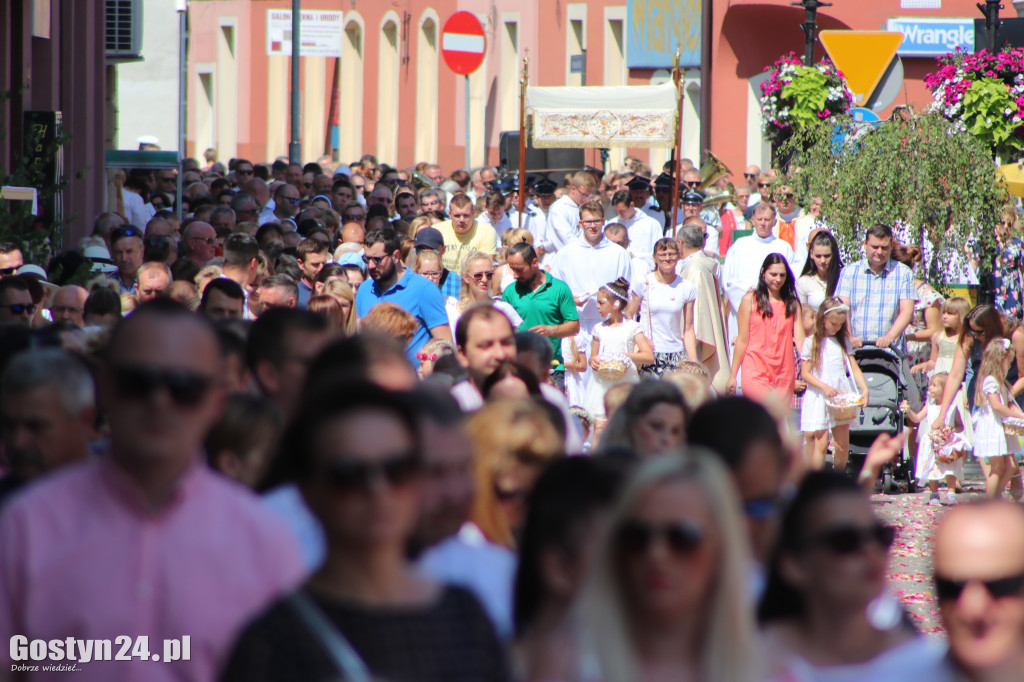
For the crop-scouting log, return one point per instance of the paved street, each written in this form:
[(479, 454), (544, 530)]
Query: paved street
[(911, 564)]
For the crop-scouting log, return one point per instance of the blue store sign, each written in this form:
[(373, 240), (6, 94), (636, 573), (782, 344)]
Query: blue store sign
[(655, 28), (928, 37)]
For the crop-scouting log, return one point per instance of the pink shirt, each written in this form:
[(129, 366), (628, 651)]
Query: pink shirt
[(79, 557)]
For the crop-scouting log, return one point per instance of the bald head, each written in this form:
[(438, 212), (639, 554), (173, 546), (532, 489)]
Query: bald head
[(69, 304), (979, 572), (159, 226), (353, 233)]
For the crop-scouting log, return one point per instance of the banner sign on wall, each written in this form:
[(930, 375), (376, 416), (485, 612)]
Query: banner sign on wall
[(319, 33), (654, 28)]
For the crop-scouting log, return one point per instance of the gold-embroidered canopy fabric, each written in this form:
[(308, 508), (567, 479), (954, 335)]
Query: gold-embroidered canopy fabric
[(603, 116)]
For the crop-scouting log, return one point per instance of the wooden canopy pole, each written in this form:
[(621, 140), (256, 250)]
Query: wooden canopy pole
[(677, 77), (522, 140)]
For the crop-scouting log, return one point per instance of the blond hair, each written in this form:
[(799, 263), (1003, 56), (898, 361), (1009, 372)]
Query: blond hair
[(992, 359), (584, 181), (466, 298), (514, 235), (727, 649), (343, 292), (504, 434)]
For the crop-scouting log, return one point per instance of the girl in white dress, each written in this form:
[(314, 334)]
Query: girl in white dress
[(614, 336), (992, 404), (828, 371), (929, 469)]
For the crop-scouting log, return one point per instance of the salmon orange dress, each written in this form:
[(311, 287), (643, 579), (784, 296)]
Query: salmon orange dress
[(769, 364)]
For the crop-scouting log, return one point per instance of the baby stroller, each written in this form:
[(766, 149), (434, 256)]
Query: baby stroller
[(881, 369)]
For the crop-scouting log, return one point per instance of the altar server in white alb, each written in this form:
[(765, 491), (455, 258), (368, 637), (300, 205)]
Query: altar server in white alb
[(744, 259), (563, 224), (590, 262), (643, 230)]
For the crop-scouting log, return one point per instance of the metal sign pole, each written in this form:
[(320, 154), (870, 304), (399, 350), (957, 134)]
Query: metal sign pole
[(294, 145), (466, 78)]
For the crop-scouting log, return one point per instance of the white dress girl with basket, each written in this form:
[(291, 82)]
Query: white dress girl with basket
[(992, 404), (618, 347), (835, 386), (939, 453)]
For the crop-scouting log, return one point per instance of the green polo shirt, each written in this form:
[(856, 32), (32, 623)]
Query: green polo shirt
[(551, 304)]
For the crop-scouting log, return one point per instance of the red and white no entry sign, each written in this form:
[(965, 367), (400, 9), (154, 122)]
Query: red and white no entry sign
[(463, 43)]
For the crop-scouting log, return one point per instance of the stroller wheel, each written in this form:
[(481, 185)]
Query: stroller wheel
[(887, 483)]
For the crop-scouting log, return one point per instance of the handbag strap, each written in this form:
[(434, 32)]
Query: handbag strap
[(333, 642), (650, 320)]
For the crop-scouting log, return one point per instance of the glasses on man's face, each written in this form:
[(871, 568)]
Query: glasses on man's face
[(244, 171), (764, 185), (294, 202), (186, 388), (351, 476), (4, 272), (376, 260), (750, 176), (692, 184), (591, 223), (22, 308), (355, 217), (997, 588), (784, 197)]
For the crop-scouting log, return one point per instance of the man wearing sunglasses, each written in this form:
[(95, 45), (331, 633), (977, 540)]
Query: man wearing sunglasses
[(200, 242), (286, 202), (16, 304), (979, 581), (795, 224), (10, 259), (393, 282), (147, 539)]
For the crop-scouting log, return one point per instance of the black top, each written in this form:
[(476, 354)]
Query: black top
[(447, 641)]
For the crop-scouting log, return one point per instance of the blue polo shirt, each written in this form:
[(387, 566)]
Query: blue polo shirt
[(417, 295)]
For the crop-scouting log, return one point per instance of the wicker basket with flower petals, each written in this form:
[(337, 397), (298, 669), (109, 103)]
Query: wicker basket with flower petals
[(1013, 426), (844, 406), (612, 366)]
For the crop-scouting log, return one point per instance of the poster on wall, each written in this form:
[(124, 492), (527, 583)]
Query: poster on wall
[(320, 33), (654, 28)]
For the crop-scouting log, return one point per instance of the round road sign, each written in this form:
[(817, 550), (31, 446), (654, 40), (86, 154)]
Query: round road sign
[(463, 43)]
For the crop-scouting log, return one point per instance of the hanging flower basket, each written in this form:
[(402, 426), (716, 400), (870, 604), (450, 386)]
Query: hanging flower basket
[(797, 96), (983, 94)]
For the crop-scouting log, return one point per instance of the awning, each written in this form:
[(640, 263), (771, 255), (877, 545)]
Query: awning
[(598, 116)]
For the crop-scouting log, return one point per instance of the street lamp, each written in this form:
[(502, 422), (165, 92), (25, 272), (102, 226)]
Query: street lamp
[(810, 26), (991, 11)]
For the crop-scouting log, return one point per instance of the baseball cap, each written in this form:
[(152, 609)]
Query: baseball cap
[(429, 238)]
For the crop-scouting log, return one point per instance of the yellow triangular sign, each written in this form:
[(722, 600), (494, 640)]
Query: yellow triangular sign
[(862, 56)]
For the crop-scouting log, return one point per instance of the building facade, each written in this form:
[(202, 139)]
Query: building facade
[(389, 92)]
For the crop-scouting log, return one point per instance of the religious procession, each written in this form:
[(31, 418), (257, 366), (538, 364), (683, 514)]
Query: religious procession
[(624, 418)]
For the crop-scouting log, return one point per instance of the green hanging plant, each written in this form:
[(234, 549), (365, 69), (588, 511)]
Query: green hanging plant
[(933, 182)]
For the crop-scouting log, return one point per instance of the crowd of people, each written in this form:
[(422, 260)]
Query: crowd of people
[(359, 422)]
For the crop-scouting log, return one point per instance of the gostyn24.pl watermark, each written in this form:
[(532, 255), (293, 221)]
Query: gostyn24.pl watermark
[(67, 653)]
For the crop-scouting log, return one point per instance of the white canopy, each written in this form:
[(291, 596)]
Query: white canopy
[(603, 116)]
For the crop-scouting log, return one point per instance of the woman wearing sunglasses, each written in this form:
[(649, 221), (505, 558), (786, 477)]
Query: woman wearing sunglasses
[(477, 275), (825, 613), (354, 451), (667, 597)]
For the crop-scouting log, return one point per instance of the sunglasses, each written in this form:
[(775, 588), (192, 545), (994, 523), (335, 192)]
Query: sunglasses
[(761, 509), (764, 184), (244, 172), (8, 271), (694, 184), (752, 176), (373, 259), (186, 388), (347, 475), (295, 202), (998, 588), (847, 540), (355, 217), (22, 308), (783, 197), (682, 537), (481, 276), (122, 232)]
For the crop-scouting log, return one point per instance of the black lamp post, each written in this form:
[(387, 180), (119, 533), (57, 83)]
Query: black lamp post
[(810, 26), (991, 11)]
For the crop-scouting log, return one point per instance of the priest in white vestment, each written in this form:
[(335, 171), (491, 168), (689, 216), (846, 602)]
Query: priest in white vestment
[(744, 259)]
